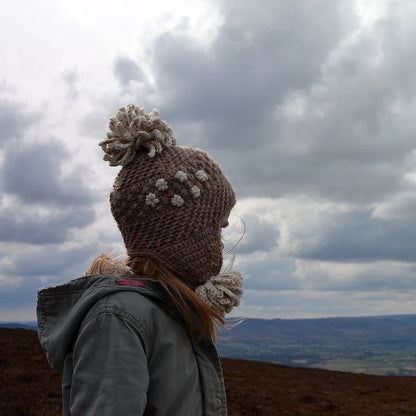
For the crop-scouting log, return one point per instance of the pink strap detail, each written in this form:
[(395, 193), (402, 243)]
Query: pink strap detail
[(130, 282)]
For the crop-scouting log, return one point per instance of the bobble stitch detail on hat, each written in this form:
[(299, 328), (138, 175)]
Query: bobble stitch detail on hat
[(181, 176), (201, 176), (151, 200), (177, 200), (195, 191), (161, 184)]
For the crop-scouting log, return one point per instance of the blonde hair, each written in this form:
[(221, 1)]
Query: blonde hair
[(183, 297)]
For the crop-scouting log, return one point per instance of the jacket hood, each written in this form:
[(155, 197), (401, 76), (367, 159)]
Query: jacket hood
[(61, 309)]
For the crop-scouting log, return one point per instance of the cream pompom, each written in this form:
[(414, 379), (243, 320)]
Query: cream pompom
[(131, 130), (222, 292)]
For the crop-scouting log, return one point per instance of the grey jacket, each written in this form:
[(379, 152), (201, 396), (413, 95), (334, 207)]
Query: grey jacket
[(124, 350)]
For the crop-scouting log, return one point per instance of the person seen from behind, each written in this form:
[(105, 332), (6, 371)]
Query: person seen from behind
[(136, 337)]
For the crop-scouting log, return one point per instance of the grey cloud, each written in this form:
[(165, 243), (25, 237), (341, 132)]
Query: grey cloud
[(70, 78), (309, 304), (357, 237), (51, 262), (14, 120), (367, 282), (259, 55), (50, 228), (348, 138), (402, 205), (43, 262), (33, 173), (349, 144), (94, 124), (126, 70), (273, 273), (20, 296), (260, 236), (280, 274)]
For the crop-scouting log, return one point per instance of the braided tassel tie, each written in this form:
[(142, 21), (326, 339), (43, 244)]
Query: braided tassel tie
[(222, 292)]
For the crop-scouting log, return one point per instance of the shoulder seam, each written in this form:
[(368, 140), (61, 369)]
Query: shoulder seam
[(123, 315)]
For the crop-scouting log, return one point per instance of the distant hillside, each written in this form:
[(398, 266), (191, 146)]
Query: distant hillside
[(374, 345), (30, 388), (23, 325)]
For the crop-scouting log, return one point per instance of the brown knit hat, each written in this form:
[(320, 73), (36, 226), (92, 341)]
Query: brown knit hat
[(168, 200)]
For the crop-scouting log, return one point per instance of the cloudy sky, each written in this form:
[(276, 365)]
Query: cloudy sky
[(308, 105)]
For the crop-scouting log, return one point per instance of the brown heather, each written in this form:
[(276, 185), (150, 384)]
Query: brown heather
[(28, 387)]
